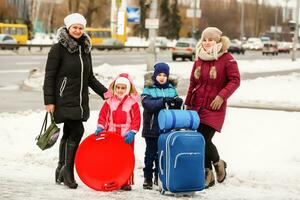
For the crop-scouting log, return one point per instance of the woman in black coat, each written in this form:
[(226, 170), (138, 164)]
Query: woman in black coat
[(68, 75)]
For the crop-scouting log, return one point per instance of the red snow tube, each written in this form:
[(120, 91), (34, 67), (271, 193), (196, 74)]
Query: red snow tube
[(104, 163)]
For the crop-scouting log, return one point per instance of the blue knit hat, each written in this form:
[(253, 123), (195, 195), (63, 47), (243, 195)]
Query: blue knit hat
[(161, 68)]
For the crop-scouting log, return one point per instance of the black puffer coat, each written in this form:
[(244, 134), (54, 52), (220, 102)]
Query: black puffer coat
[(68, 75)]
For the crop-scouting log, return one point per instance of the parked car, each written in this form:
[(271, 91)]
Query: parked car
[(253, 43), (236, 47), (184, 48), (284, 47), (7, 39), (110, 44), (270, 48)]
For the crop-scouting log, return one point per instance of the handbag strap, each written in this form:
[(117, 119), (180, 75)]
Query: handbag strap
[(44, 126)]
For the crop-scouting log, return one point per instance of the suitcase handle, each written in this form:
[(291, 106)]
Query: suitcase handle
[(160, 161)]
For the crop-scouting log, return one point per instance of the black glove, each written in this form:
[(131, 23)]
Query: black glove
[(173, 102), (176, 103), (168, 100)]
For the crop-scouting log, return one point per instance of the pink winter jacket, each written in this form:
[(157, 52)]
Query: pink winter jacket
[(203, 88), (120, 115)]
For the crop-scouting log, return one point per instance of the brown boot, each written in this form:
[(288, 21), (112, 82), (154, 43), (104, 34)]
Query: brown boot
[(209, 178), (220, 168)]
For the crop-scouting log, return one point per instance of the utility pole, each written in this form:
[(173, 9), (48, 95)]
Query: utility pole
[(151, 54), (296, 33), (242, 33)]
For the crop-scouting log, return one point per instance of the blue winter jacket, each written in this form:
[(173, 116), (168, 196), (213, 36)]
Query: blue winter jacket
[(152, 102)]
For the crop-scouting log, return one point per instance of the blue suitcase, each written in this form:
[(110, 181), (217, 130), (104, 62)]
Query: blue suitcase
[(181, 155)]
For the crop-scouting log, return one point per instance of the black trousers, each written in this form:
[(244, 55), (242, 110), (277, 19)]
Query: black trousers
[(211, 151), (151, 158), (73, 131)]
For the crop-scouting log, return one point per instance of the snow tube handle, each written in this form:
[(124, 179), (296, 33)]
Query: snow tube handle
[(102, 136), (110, 186)]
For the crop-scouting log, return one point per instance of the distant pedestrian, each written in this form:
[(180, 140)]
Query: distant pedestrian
[(68, 75), (121, 113), (157, 93), (215, 76)]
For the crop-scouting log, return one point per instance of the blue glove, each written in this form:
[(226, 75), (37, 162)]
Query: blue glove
[(129, 137), (97, 131)]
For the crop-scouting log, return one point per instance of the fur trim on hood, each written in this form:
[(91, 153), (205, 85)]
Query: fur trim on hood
[(224, 44), (173, 79), (71, 44)]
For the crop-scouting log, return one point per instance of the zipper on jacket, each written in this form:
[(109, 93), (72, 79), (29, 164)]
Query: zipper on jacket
[(62, 86), (81, 81)]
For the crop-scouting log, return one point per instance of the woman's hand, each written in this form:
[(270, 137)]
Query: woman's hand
[(50, 108), (217, 103)]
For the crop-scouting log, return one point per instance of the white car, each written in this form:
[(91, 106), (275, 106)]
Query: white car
[(184, 48), (7, 39), (253, 43)]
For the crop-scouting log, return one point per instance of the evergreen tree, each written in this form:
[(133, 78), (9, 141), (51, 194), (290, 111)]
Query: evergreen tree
[(143, 11), (164, 18), (174, 21)]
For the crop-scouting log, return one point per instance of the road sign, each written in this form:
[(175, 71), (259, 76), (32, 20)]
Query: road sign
[(133, 14), (152, 23)]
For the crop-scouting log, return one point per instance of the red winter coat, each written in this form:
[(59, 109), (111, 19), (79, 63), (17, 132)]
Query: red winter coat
[(203, 89), (120, 115)]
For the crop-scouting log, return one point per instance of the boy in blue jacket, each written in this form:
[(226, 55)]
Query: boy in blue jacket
[(157, 93)]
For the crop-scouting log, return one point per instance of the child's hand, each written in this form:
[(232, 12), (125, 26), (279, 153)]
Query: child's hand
[(129, 137), (97, 131)]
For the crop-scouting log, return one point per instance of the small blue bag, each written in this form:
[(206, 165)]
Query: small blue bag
[(178, 119)]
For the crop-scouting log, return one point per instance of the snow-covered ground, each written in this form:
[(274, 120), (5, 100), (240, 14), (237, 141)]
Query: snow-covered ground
[(261, 147)]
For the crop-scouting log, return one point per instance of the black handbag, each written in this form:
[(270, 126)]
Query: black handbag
[(48, 136)]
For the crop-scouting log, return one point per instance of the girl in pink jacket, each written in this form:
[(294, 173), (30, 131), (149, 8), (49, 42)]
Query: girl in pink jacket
[(120, 113)]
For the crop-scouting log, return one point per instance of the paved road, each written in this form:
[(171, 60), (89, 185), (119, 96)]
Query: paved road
[(14, 70)]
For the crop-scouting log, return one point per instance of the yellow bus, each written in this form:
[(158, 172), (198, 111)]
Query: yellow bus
[(98, 35), (19, 31)]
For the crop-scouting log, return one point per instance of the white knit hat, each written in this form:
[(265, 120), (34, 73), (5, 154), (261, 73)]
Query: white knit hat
[(212, 33), (125, 81), (74, 18)]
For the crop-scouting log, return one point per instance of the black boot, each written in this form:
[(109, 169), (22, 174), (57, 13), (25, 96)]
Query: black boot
[(148, 184), (67, 171), (61, 160), (155, 182)]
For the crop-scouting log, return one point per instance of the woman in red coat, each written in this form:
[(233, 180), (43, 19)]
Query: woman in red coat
[(215, 76)]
